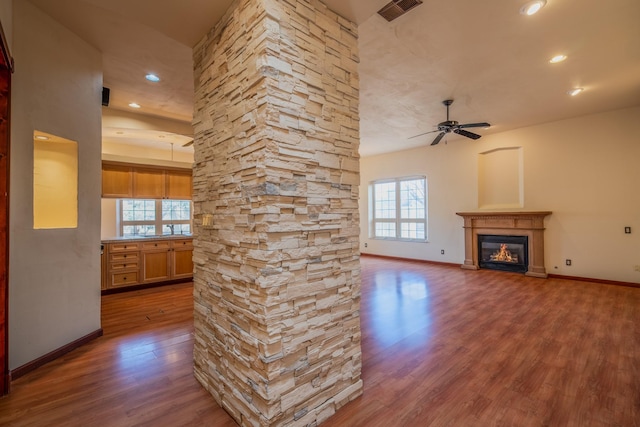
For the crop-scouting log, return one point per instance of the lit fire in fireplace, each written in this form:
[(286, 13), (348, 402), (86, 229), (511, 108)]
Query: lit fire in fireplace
[(504, 255)]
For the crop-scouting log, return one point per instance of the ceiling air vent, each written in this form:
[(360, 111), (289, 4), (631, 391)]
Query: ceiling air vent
[(396, 8)]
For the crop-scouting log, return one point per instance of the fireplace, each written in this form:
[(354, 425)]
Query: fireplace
[(506, 224), (506, 253)]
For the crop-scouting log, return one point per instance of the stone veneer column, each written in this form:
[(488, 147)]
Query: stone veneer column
[(276, 175)]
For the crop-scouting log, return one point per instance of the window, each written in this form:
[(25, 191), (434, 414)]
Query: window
[(400, 209), (140, 217)]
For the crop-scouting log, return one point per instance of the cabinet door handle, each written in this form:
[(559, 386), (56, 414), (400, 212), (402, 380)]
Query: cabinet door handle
[(125, 256), (156, 244)]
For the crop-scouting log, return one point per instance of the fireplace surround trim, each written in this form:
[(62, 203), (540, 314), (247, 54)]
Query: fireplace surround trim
[(515, 223)]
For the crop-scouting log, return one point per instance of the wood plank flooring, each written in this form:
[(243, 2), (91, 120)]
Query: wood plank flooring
[(441, 346)]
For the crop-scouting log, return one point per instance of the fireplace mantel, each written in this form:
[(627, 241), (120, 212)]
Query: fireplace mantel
[(516, 223)]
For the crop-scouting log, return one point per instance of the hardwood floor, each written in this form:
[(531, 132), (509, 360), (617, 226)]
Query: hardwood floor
[(139, 373), (441, 346)]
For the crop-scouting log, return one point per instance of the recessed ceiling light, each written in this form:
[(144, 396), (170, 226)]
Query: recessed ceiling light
[(558, 58), (152, 78), (575, 91), (532, 7), (134, 105), (42, 137)]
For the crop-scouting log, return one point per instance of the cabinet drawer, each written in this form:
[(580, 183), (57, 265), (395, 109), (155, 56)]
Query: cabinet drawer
[(159, 244), (185, 244), (123, 279), (124, 256), (119, 266), (124, 246)]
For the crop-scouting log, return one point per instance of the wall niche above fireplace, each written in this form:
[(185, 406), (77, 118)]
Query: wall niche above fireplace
[(529, 225)]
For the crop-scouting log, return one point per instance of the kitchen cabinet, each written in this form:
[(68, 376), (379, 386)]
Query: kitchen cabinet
[(117, 181), (124, 264), (148, 183), (178, 185), (145, 182), (182, 258), (156, 263), (143, 261), (103, 266)]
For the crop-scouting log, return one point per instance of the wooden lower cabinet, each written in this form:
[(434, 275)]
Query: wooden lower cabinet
[(156, 263), (124, 279), (155, 266), (123, 264), (134, 263), (182, 259), (104, 266)]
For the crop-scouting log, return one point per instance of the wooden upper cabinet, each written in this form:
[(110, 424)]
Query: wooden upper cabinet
[(148, 183), (178, 185), (116, 181), (139, 182)]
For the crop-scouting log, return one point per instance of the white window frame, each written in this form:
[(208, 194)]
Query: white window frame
[(397, 221), (158, 222)]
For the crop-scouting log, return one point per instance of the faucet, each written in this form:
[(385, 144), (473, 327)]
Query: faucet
[(171, 228)]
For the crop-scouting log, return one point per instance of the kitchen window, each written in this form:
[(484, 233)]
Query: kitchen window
[(140, 217), (399, 209)]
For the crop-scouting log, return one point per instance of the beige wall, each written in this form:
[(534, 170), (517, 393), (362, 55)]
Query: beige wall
[(113, 118), (54, 286), (145, 155), (585, 170), (109, 220)]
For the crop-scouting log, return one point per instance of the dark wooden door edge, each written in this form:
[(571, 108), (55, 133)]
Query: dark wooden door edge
[(34, 364), (6, 68)]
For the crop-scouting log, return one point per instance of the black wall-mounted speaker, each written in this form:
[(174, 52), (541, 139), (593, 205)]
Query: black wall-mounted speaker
[(105, 96)]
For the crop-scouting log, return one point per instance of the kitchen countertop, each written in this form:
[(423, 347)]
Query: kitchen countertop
[(142, 239)]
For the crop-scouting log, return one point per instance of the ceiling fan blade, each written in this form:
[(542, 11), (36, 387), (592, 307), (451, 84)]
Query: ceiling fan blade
[(474, 125), (188, 143), (467, 133), (425, 133), (438, 138)]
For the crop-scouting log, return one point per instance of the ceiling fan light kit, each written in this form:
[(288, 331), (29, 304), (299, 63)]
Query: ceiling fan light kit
[(558, 58), (152, 78), (449, 126), (532, 7)]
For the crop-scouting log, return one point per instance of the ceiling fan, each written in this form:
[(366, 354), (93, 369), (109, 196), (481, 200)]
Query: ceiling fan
[(449, 126)]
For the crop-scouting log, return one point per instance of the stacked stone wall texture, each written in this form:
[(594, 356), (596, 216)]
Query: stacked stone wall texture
[(276, 176)]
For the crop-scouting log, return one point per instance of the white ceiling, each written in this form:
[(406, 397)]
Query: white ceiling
[(486, 56)]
